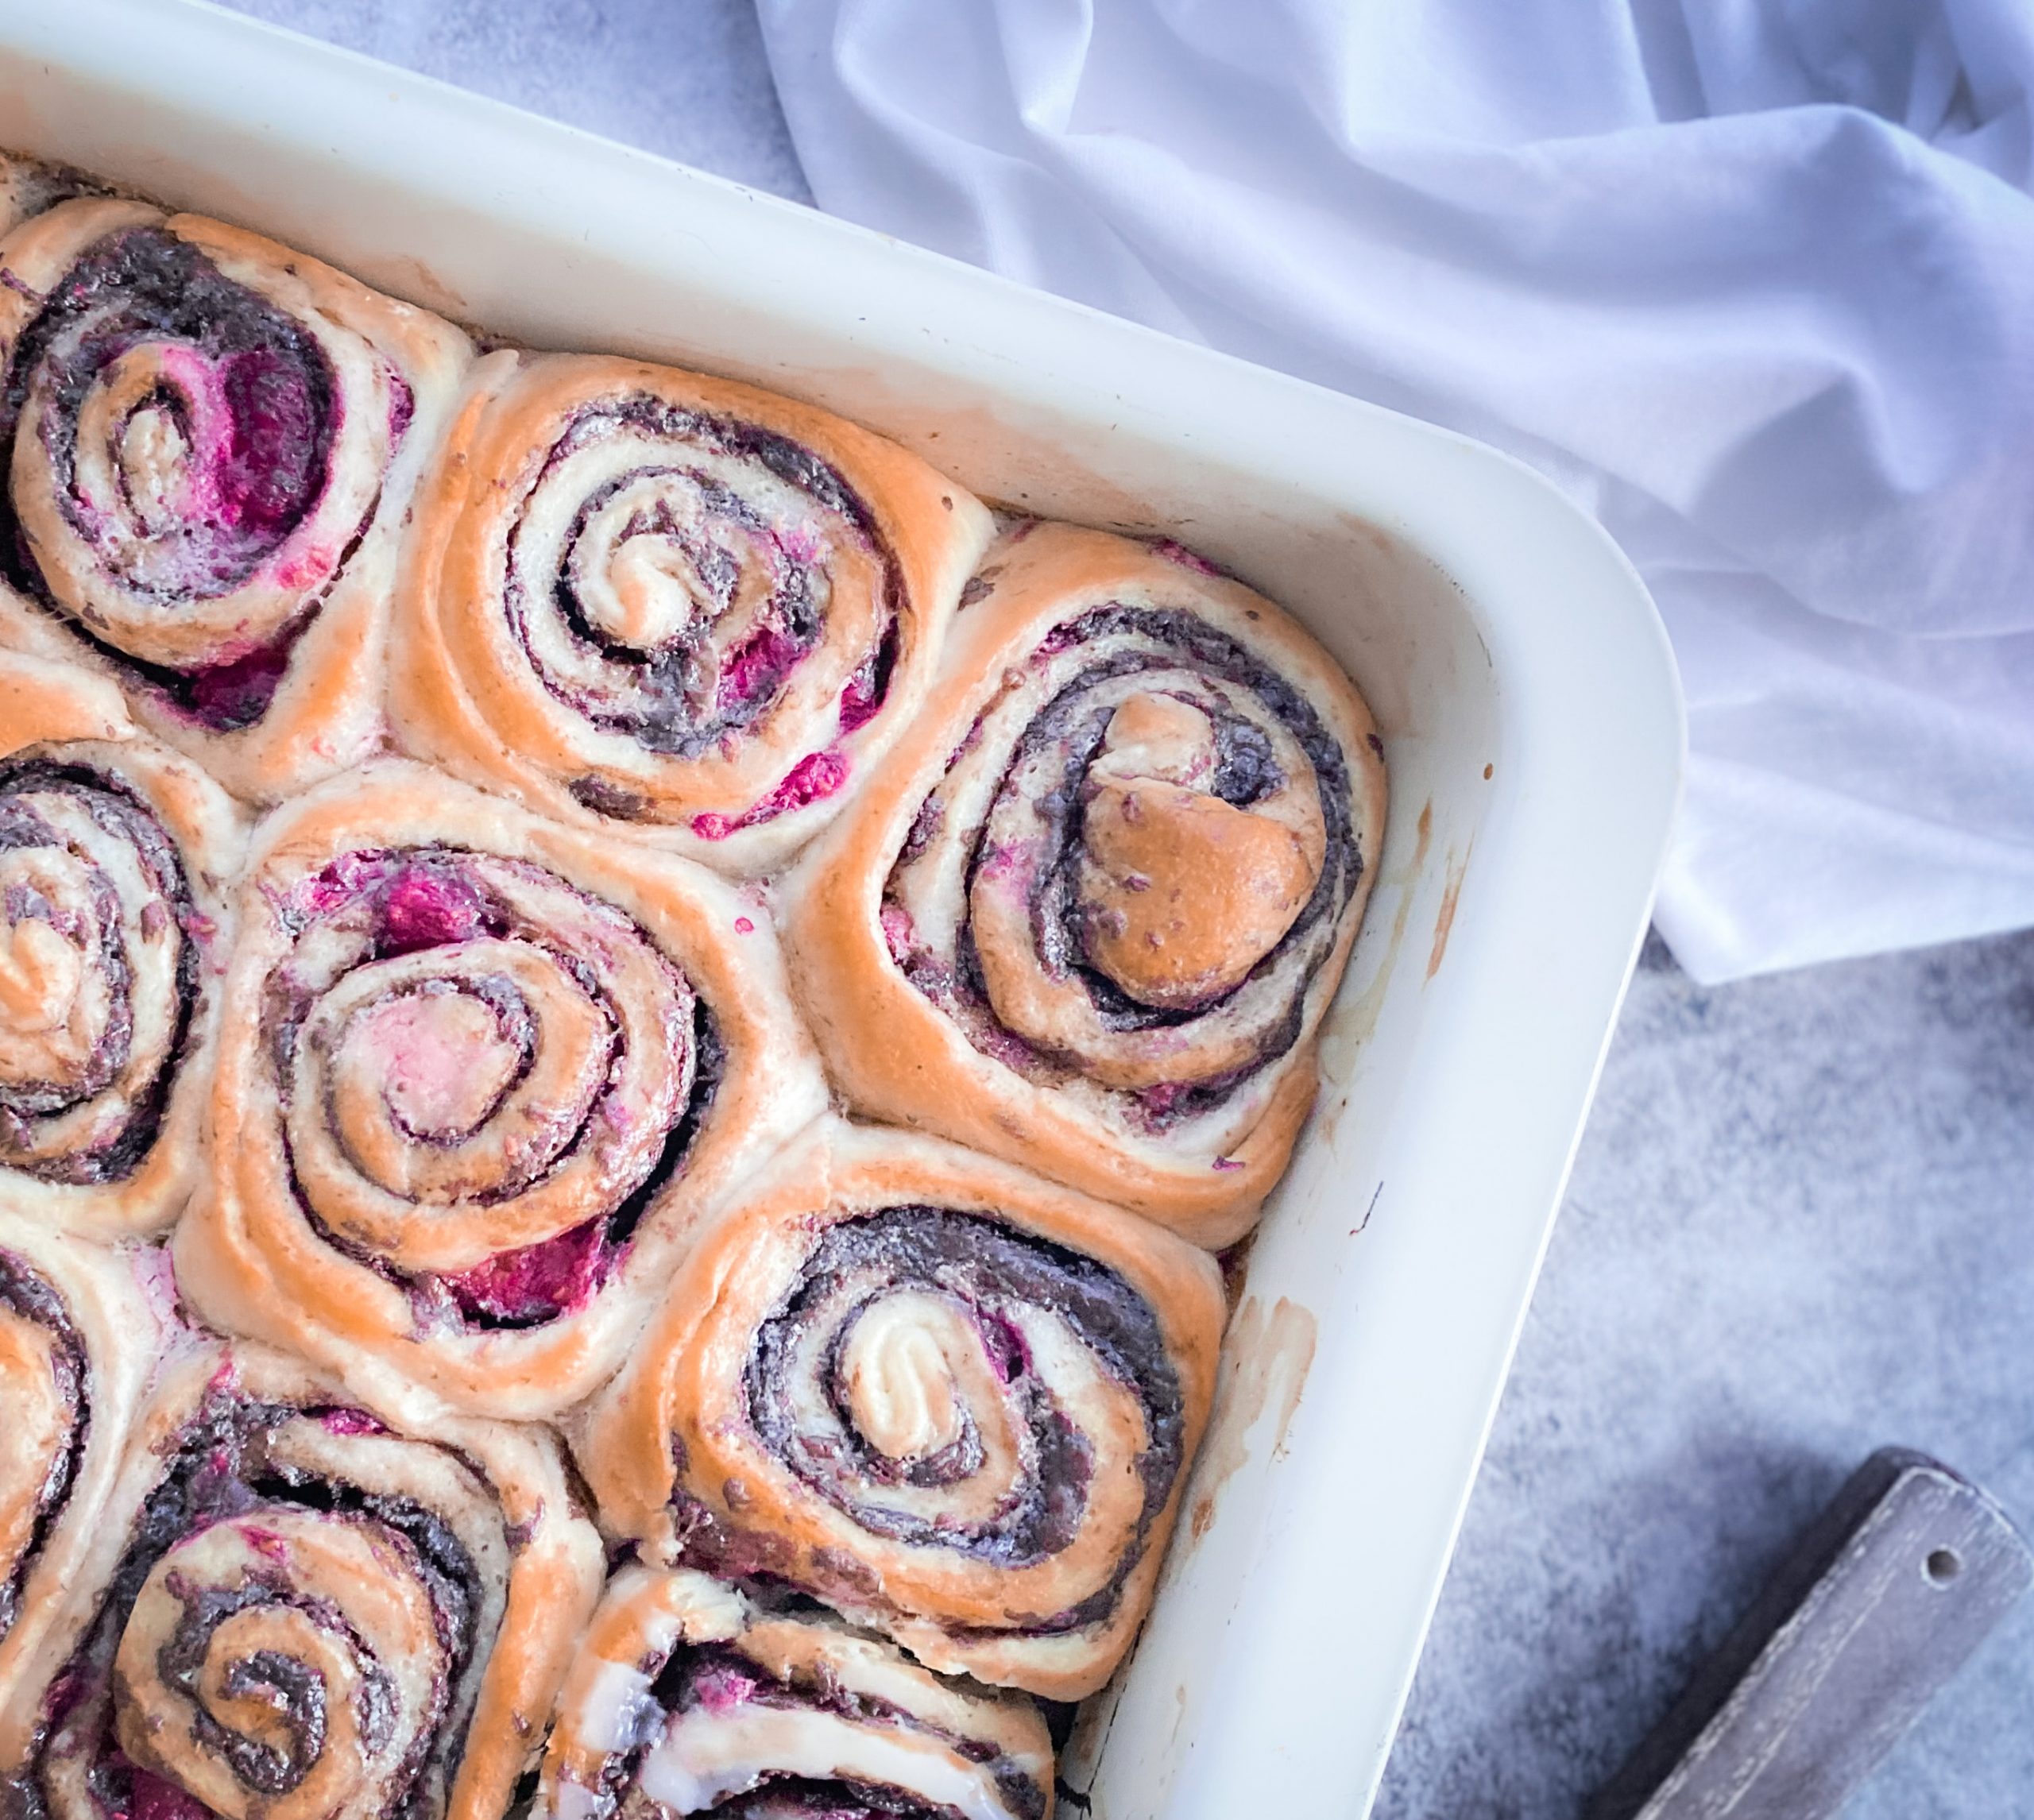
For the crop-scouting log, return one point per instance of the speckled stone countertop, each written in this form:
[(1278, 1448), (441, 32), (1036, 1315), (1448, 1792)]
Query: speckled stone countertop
[(1801, 1226)]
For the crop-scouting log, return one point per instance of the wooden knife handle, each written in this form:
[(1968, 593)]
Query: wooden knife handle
[(1887, 1594)]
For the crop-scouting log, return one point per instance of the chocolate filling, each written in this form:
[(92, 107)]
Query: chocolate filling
[(665, 708), (990, 1269), (145, 284), (1245, 770), (25, 1294), (220, 1470), (116, 1153), (721, 1678), (291, 1690), (401, 900)]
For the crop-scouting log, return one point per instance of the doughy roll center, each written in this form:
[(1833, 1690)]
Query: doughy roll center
[(1144, 853), (198, 448), (281, 1664), (96, 973), (478, 1092), (35, 1438)]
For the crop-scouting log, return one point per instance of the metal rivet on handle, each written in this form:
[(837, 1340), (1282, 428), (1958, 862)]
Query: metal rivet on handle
[(1883, 1600)]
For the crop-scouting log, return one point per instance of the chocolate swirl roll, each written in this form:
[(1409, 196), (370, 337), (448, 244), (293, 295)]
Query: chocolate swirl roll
[(82, 1331), (1090, 914), (688, 1698), (480, 1078), (210, 443), (294, 1607), (28, 186), (673, 606), (954, 1401), (114, 857)]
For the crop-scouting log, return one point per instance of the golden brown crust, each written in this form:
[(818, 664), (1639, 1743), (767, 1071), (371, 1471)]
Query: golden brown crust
[(66, 735), (895, 1051), (395, 371), (655, 930), (500, 1495), (467, 692), (685, 1395)]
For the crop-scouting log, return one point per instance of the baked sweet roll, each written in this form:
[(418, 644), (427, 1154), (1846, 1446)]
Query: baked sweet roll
[(210, 443), (481, 1077), (114, 858), (688, 1698), (82, 1329), (28, 186), (295, 1607), (1089, 914), (672, 605), (954, 1401)]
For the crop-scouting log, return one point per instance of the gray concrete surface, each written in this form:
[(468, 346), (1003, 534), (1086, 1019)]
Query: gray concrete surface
[(1802, 1224), (1801, 1227), (686, 78)]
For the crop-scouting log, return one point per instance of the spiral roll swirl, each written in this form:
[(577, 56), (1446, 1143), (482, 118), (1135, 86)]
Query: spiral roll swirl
[(688, 1697), (80, 1333), (679, 607), (948, 1399), (1091, 912), (28, 186), (482, 1078), (210, 443), (299, 1611), (113, 853)]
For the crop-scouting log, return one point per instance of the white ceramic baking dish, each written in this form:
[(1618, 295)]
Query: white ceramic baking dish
[(1529, 703)]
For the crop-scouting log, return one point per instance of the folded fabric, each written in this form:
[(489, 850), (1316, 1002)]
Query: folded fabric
[(1754, 284)]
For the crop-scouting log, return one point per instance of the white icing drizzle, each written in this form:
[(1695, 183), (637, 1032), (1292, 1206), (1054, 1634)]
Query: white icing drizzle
[(704, 1757)]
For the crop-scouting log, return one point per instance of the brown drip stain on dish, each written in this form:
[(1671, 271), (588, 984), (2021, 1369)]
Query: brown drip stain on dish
[(1444, 923), (1266, 1358), (1236, 1266), (416, 283)]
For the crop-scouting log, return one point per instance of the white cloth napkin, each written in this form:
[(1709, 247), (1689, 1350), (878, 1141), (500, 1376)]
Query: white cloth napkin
[(1753, 279)]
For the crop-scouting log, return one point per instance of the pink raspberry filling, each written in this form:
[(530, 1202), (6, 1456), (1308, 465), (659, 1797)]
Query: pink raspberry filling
[(539, 1282), (350, 1422), (266, 1544), (721, 1690), (859, 701), (1186, 558), (153, 1799), (428, 909), (900, 934), (338, 883), (237, 694), (755, 668), (815, 776)]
